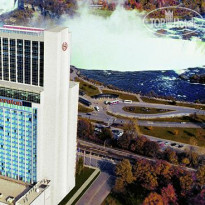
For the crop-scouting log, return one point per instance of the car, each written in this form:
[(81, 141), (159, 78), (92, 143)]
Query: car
[(173, 144), (97, 108), (180, 146), (88, 114)]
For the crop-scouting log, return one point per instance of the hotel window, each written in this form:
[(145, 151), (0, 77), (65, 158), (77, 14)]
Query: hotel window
[(41, 63), (5, 59), (27, 67), (13, 60), (35, 63), (20, 60)]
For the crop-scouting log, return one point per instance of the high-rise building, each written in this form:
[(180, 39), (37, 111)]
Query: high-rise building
[(38, 112)]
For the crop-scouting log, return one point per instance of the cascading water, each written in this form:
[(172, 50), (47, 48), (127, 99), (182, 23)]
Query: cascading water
[(121, 42), (7, 5)]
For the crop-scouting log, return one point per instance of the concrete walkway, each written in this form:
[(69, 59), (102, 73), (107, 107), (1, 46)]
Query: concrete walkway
[(98, 191)]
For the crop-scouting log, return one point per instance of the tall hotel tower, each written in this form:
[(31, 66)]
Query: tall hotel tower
[(38, 115)]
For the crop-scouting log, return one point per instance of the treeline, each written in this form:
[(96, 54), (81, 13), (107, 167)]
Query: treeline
[(56, 7), (148, 5), (132, 140), (158, 183)]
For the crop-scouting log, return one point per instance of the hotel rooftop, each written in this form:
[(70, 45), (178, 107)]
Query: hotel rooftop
[(18, 192), (22, 30)]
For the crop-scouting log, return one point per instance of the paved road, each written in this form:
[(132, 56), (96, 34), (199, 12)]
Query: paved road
[(98, 191), (102, 186), (103, 117), (177, 110)]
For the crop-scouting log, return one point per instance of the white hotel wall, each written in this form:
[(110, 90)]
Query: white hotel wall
[(53, 149), (72, 133)]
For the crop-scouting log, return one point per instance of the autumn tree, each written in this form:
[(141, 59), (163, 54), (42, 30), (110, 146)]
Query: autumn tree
[(106, 134), (124, 175), (171, 156), (163, 171), (153, 199), (201, 175), (186, 183), (140, 141), (145, 174), (169, 195), (85, 128), (151, 148)]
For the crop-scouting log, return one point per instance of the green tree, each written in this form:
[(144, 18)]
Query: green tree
[(79, 166)]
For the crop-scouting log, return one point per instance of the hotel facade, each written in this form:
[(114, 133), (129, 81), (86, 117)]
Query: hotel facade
[(38, 113)]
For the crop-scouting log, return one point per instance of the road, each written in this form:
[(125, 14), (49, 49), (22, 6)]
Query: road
[(103, 117), (102, 186), (177, 110)]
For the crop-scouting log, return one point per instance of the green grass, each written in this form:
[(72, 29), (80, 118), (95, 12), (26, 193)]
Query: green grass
[(80, 180), (143, 110), (200, 118), (89, 89), (123, 96), (84, 109), (158, 101), (184, 134)]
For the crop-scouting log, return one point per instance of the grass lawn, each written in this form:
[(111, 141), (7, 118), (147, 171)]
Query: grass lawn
[(200, 118), (123, 96), (143, 110), (89, 89), (158, 101), (80, 180), (84, 109), (177, 134)]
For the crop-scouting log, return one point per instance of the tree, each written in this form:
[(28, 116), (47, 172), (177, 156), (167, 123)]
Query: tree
[(171, 156), (124, 141), (145, 174), (153, 199), (164, 172), (79, 166), (151, 148), (186, 183), (169, 195), (185, 161), (119, 185), (201, 175), (132, 128), (124, 171), (106, 134), (194, 158), (140, 141), (85, 128)]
